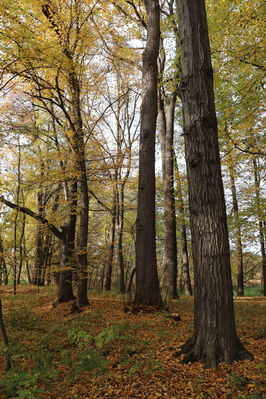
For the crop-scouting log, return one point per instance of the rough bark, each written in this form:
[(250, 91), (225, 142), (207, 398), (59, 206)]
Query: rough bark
[(183, 233), (166, 135), (260, 223), (215, 337), (239, 252), (65, 290), (147, 282)]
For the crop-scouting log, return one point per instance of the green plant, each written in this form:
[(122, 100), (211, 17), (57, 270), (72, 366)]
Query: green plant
[(261, 332), (25, 320), (238, 381), (20, 384)]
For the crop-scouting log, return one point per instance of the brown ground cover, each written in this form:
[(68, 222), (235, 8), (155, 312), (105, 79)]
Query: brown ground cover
[(104, 352)]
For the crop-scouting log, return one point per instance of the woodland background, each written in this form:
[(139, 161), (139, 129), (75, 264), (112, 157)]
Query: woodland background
[(37, 156)]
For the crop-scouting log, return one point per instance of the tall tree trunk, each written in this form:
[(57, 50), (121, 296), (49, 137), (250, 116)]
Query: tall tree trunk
[(215, 337), (78, 146), (65, 291), (260, 222), (147, 282), (108, 278), (16, 219), (21, 249), (79, 149), (26, 260), (38, 263), (239, 252), (183, 232), (120, 229), (166, 135)]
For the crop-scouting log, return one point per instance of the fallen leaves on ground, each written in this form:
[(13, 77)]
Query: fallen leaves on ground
[(104, 352)]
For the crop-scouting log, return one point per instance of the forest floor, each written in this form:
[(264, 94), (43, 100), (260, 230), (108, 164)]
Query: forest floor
[(104, 352)]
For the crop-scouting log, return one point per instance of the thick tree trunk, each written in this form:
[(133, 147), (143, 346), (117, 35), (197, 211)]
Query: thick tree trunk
[(166, 135), (215, 337), (79, 149), (147, 282), (65, 291), (239, 252), (260, 222), (183, 233)]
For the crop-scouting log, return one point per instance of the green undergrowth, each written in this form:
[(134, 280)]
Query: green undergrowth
[(95, 344), (65, 350)]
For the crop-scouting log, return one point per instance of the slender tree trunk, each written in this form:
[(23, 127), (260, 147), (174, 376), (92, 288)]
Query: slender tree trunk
[(239, 252), (38, 264), (21, 250), (183, 232), (26, 260), (78, 146), (120, 229), (130, 282), (3, 269), (260, 223), (147, 282), (16, 220), (108, 279), (215, 337), (166, 134)]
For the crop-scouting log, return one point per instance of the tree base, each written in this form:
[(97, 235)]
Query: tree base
[(213, 354), (135, 308)]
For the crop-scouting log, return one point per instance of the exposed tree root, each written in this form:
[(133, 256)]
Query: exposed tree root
[(213, 354)]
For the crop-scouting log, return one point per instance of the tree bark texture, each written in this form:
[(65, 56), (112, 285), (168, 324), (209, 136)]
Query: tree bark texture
[(166, 135), (147, 282), (261, 223), (183, 232), (215, 337), (65, 291), (239, 252)]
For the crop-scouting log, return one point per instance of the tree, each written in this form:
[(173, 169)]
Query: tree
[(166, 113), (239, 251), (3, 269), (215, 335), (147, 282), (183, 232), (261, 221)]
